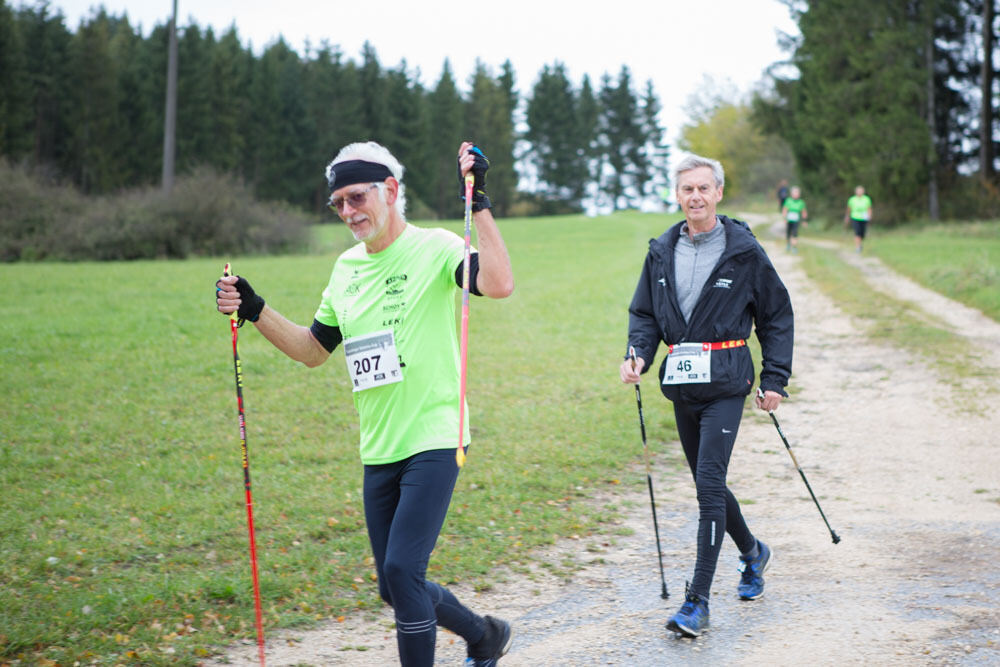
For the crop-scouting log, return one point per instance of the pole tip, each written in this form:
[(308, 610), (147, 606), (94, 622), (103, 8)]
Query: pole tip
[(836, 538)]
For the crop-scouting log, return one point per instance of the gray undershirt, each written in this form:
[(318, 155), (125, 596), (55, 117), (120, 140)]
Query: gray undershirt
[(694, 260)]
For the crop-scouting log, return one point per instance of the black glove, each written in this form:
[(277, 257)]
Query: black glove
[(251, 303), (479, 167)]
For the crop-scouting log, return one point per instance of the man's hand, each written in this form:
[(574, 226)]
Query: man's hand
[(471, 158), (234, 294), (631, 369), (768, 400)]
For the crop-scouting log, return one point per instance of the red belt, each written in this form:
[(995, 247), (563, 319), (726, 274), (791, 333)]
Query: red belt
[(719, 345)]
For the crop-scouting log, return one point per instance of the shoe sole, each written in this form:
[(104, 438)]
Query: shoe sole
[(683, 630), (766, 566)]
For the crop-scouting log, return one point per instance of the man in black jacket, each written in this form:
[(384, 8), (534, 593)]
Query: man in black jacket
[(705, 282)]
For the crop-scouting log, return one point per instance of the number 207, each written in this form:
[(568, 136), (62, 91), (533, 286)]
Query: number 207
[(367, 364)]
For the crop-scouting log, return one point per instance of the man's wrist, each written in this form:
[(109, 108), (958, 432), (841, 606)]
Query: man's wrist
[(480, 202)]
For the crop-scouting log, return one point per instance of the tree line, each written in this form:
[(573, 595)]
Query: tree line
[(900, 97), (87, 107)]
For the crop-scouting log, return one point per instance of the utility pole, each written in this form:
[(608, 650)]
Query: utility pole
[(933, 202), (170, 113), (986, 169)]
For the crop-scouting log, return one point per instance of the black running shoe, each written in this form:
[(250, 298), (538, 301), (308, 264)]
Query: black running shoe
[(495, 643)]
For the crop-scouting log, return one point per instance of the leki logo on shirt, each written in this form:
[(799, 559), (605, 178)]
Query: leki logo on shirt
[(725, 283)]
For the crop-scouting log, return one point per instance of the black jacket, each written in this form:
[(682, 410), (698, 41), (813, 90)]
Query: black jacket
[(743, 288)]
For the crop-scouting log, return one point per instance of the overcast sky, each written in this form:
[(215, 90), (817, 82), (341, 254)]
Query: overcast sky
[(675, 44)]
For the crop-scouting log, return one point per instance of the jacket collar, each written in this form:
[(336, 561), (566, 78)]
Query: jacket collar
[(739, 238)]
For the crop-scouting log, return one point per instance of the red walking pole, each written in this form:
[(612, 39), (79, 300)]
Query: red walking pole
[(234, 325)]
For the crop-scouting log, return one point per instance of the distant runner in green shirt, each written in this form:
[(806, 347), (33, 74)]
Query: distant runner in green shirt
[(859, 214), (391, 301), (794, 211)]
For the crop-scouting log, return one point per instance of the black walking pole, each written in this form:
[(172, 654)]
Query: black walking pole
[(649, 482), (836, 538)]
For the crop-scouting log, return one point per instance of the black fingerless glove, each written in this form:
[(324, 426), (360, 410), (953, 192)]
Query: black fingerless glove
[(251, 303), (479, 167)]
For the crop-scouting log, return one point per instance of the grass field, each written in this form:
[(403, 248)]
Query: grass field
[(122, 520), (958, 260), (961, 261)]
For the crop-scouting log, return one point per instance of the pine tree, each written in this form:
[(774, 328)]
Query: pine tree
[(623, 139), (333, 105), (227, 73), (373, 109), (588, 115), (15, 93), (46, 48), (94, 114), (651, 174), (278, 114), (139, 123), (557, 151), (882, 131), (406, 134), (195, 131), (445, 135), (489, 124)]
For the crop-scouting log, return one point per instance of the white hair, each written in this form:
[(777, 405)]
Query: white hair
[(370, 151), (694, 162)]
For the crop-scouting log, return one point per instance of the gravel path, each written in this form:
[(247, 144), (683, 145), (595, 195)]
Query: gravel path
[(907, 473)]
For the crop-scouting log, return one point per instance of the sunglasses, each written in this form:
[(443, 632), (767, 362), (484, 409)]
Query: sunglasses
[(355, 199)]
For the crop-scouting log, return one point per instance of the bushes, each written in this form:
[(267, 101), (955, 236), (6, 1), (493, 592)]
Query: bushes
[(31, 211), (970, 198), (208, 213)]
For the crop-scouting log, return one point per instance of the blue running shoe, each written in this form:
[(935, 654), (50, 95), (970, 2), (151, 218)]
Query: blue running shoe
[(752, 581), (495, 643), (692, 618)]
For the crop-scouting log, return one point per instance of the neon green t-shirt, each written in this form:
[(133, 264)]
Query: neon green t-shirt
[(408, 288), (860, 207), (793, 209)]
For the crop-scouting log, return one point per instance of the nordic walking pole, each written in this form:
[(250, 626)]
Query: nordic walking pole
[(836, 538), (234, 326), (649, 482), (470, 178)]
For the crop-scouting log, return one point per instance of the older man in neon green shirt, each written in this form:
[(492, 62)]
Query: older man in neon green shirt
[(391, 301)]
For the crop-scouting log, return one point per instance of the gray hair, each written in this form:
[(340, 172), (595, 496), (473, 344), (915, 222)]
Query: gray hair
[(370, 151), (694, 162)]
